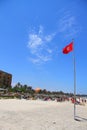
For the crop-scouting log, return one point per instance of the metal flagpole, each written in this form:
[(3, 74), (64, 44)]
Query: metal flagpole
[(74, 80)]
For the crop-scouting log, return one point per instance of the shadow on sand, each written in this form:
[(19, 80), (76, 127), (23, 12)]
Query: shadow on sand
[(78, 118)]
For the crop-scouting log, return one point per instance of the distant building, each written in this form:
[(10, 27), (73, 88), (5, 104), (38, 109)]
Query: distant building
[(5, 79)]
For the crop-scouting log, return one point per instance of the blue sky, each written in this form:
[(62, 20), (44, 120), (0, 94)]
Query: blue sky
[(32, 35)]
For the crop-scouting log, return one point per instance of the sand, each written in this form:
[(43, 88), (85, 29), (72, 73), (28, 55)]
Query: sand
[(41, 115)]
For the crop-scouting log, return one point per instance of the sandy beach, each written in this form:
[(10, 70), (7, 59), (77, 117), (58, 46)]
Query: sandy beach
[(23, 114)]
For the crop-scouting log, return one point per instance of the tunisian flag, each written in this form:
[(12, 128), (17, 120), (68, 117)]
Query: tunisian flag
[(68, 48)]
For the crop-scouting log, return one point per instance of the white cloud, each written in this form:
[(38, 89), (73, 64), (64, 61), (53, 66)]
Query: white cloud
[(40, 59), (68, 25), (39, 47), (40, 29), (34, 41), (48, 38), (49, 50)]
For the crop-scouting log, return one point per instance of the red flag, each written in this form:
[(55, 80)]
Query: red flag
[(68, 48)]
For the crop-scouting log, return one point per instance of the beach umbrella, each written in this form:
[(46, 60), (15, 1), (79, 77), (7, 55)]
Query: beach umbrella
[(37, 90)]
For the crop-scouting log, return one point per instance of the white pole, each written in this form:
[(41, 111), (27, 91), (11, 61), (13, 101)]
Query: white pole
[(74, 80)]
